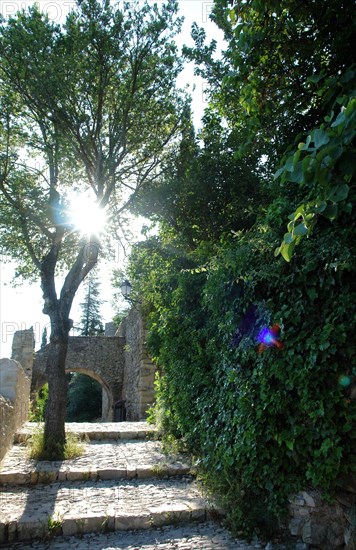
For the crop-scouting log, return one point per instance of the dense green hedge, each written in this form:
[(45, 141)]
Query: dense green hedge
[(262, 425)]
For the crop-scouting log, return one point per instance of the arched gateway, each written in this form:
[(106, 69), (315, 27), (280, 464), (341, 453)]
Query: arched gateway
[(119, 363)]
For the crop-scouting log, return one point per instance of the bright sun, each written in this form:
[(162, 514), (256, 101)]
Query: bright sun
[(87, 216)]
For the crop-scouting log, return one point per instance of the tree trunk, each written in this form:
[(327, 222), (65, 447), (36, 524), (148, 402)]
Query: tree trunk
[(58, 310), (54, 434)]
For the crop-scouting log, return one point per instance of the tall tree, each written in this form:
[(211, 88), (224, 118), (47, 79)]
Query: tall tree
[(44, 338), (206, 191), (288, 86), (91, 322), (87, 108), (276, 53)]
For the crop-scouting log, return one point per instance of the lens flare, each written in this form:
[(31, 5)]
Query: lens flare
[(344, 380), (268, 338)]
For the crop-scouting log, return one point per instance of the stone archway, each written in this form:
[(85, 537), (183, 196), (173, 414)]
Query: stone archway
[(101, 358), (119, 363)]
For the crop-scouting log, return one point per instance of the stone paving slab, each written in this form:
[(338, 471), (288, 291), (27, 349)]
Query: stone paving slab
[(97, 430), (201, 536), (82, 507), (103, 459)]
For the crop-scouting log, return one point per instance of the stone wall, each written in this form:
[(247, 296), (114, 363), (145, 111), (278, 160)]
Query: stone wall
[(23, 344), (100, 357), (119, 363), (139, 371), (14, 401), (325, 525), (110, 329), (15, 383)]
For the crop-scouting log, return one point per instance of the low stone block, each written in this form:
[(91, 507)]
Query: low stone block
[(34, 529), (110, 435), (70, 527), (47, 475), (127, 522), (92, 523), (34, 478), (131, 471), (144, 472), (128, 435), (197, 511), (62, 475), (171, 513), (177, 469), (78, 475), (12, 531), (114, 473)]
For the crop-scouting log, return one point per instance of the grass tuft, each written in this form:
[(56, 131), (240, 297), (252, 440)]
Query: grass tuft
[(36, 445)]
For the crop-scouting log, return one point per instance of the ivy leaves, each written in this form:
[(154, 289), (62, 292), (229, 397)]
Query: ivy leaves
[(325, 165)]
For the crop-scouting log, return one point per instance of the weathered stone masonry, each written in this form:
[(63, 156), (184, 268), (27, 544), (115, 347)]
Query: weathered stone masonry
[(119, 363), (15, 382), (100, 357), (139, 372)]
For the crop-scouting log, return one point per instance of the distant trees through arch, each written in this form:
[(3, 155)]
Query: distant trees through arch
[(84, 403)]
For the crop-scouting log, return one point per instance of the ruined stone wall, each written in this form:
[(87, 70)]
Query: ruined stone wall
[(15, 384), (14, 401), (100, 357), (23, 345), (325, 525), (139, 371), (119, 363)]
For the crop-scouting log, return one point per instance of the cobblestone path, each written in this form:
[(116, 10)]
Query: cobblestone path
[(123, 493)]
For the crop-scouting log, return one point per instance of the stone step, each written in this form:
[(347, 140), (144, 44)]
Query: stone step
[(74, 508), (193, 536), (96, 430), (101, 460)]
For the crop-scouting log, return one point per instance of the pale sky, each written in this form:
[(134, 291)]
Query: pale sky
[(21, 307)]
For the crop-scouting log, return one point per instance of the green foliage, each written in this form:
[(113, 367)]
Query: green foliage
[(264, 425), (325, 166), (38, 405), (120, 315), (54, 525), (277, 54), (84, 399), (91, 322), (204, 191), (44, 341)]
